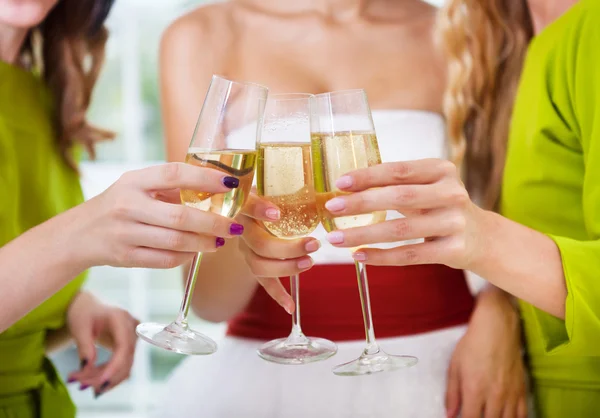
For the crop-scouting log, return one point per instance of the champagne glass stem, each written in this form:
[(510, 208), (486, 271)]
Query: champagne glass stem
[(296, 336), (189, 292), (365, 302)]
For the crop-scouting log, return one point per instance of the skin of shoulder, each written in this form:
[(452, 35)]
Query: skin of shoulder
[(193, 48)]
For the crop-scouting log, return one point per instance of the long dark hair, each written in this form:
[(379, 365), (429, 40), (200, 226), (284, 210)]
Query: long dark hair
[(67, 49)]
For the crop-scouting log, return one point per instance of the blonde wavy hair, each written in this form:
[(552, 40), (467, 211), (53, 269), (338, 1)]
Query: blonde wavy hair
[(485, 42), (67, 50)]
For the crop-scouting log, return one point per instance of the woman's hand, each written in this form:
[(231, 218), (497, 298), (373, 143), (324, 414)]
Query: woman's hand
[(138, 222), (431, 196), (486, 377), (269, 257), (91, 322)]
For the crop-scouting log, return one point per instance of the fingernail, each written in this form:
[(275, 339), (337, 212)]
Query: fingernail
[(272, 213), (359, 256), (220, 242), (83, 363), (312, 246), (230, 182), (305, 263), (71, 380), (102, 388), (336, 204), (288, 309), (236, 229), (344, 182), (335, 237), (84, 387)]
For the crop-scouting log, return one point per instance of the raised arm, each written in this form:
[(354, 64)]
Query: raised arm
[(132, 224)]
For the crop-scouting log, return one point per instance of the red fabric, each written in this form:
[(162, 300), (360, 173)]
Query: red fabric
[(404, 301)]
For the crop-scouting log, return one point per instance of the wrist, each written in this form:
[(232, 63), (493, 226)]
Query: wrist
[(78, 246), (483, 234), (492, 301)]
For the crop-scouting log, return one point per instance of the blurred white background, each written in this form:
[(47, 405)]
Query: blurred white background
[(127, 101)]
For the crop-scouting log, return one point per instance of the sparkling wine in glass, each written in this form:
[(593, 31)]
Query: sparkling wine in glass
[(285, 178), (225, 140), (343, 139)]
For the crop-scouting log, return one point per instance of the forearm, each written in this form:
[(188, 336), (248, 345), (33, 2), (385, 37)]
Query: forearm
[(225, 284), (36, 265), (523, 262)]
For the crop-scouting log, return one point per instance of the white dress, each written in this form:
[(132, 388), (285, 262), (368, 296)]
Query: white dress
[(235, 382)]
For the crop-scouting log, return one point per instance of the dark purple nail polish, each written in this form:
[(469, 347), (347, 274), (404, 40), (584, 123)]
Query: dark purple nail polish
[(83, 363), (84, 387), (230, 182), (236, 229), (220, 242), (71, 380), (103, 387)]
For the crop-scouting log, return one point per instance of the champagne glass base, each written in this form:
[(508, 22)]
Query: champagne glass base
[(308, 350), (177, 338), (374, 363)]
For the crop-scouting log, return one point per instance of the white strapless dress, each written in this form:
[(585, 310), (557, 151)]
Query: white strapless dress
[(235, 382)]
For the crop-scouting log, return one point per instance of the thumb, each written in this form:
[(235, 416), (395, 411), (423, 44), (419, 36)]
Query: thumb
[(453, 392)]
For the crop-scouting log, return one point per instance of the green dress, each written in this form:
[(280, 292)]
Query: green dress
[(552, 184), (36, 185)]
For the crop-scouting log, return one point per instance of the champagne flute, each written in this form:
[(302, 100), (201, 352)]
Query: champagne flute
[(343, 139), (285, 178), (225, 140)]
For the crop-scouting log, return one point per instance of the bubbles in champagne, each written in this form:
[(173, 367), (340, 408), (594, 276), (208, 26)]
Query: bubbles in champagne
[(333, 156), (285, 178)]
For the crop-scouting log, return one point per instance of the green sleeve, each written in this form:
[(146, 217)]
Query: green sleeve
[(579, 333)]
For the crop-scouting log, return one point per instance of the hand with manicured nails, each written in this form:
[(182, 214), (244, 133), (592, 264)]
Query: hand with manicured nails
[(91, 322), (140, 222), (269, 257), (431, 196)]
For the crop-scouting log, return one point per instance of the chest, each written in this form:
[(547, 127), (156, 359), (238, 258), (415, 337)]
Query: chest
[(395, 66)]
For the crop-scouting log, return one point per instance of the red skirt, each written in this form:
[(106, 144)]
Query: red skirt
[(404, 301)]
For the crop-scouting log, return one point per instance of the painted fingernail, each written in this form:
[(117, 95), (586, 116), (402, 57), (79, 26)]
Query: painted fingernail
[(71, 380), (312, 246), (84, 387), (236, 229), (335, 237), (83, 363), (273, 213), (305, 263), (336, 204), (230, 182), (102, 388), (220, 242), (344, 182), (359, 256)]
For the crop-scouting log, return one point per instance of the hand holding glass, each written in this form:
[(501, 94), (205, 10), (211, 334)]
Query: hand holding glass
[(285, 178), (224, 139), (343, 140)]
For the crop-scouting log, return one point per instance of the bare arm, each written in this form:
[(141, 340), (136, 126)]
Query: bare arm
[(38, 264), (187, 62)]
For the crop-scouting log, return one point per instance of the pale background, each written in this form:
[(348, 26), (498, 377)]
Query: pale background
[(127, 101)]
